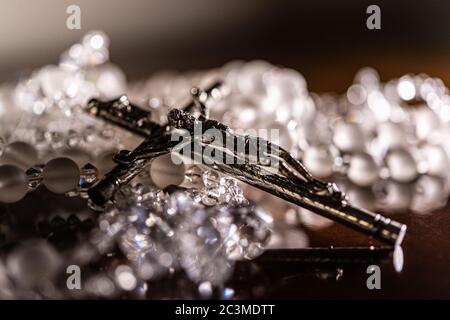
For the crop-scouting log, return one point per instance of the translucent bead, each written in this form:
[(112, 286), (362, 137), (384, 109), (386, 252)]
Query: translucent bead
[(61, 175), (211, 178), (34, 176), (59, 83), (20, 154), (13, 183), (401, 165), (193, 175), (246, 231), (363, 170), (250, 78), (391, 135), (361, 197), (243, 112), (319, 161), (436, 159), (368, 78), (425, 122), (164, 172), (348, 137), (356, 94), (211, 196), (429, 194), (395, 196), (285, 85), (202, 254), (135, 243), (109, 80), (94, 49), (34, 263), (88, 177)]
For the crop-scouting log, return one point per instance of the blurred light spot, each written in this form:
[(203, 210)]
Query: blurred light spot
[(406, 90), (97, 41), (125, 278)]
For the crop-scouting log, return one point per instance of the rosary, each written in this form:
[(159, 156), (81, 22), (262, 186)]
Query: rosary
[(380, 147), (294, 184)]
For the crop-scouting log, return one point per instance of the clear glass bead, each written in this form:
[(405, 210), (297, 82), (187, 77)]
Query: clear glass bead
[(210, 178), (35, 176), (246, 230)]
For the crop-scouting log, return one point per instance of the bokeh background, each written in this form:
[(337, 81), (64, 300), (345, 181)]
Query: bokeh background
[(327, 41)]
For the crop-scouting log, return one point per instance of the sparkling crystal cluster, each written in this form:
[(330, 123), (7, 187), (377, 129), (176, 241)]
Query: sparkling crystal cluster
[(82, 73), (201, 233)]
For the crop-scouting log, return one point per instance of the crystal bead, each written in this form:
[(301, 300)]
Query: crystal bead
[(348, 137), (55, 139), (246, 231), (211, 196), (179, 203), (193, 174), (285, 85), (363, 170), (73, 138), (61, 175), (319, 161), (202, 254), (13, 183), (19, 153), (35, 176), (231, 192), (88, 177), (394, 196), (210, 178), (135, 244), (401, 165), (429, 194)]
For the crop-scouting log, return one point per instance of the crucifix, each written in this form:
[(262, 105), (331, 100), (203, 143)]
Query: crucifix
[(290, 180)]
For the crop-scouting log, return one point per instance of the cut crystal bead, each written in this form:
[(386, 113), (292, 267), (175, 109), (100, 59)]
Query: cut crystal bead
[(35, 176)]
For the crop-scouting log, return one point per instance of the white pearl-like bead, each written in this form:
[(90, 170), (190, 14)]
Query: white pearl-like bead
[(348, 137), (429, 194), (363, 170), (13, 183), (164, 172), (397, 196), (319, 161), (61, 175), (426, 120), (437, 160), (391, 135), (20, 154), (401, 165), (361, 197)]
